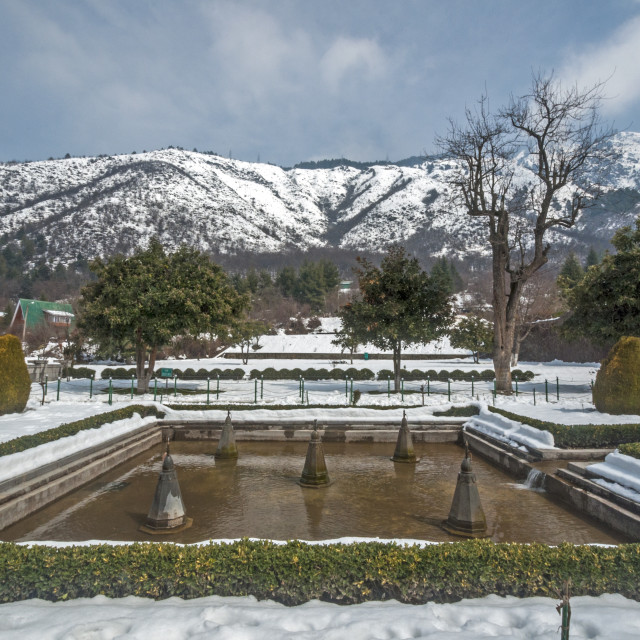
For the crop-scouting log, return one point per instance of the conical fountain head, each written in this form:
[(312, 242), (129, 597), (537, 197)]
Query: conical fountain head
[(227, 420), (167, 463), (404, 424)]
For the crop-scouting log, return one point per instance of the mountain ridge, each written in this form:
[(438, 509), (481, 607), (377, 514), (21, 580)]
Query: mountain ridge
[(106, 204)]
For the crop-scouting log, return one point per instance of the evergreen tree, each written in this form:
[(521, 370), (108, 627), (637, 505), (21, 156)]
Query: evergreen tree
[(605, 305), (571, 272), (286, 281), (441, 272), (147, 299), (400, 305), (592, 258)]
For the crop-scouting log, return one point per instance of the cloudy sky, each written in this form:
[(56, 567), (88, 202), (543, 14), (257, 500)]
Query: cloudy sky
[(291, 80)]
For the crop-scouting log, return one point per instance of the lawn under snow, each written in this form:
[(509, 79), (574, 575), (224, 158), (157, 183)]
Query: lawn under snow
[(244, 618)]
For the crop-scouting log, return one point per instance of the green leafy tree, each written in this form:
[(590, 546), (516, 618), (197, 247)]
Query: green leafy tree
[(245, 333), (147, 299), (348, 339), (446, 271), (605, 305), (571, 272), (400, 305), (473, 333)]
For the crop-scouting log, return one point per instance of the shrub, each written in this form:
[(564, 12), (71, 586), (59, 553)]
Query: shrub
[(383, 374), (78, 372), (488, 374), (617, 386), (522, 376), (356, 396), (432, 374), (189, 373), (458, 374), (337, 374), (459, 412), (630, 449), (202, 374), (297, 572), (15, 384)]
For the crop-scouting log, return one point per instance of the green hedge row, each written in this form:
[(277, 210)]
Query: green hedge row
[(578, 436), (273, 407), (188, 374), (630, 449), (296, 572), (313, 374), (71, 428)]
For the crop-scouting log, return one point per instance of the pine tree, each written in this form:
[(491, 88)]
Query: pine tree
[(571, 272), (592, 258)]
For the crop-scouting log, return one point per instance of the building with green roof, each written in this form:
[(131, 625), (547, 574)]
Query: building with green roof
[(33, 314)]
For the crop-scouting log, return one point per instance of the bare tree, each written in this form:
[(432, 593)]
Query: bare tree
[(524, 170)]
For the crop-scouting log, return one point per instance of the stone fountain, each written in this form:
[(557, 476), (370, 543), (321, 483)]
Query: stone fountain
[(404, 446), (315, 474), (227, 449), (167, 513), (466, 517)]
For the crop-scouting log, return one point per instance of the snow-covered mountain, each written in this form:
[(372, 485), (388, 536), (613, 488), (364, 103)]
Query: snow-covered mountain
[(102, 205)]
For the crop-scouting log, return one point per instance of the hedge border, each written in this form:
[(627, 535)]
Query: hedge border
[(630, 449), (297, 572), (23, 443), (578, 436)]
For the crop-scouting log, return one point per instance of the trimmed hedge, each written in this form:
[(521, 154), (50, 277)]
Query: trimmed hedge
[(71, 428), (273, 407), (579, 436), (15, 384), (617, 386), (459, 412), (297, 572), (630, 449), (78, 372)]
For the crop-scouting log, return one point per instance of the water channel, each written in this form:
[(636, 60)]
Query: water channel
[(259, 496)]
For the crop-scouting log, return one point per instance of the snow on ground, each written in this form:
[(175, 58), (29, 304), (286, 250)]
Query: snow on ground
[(24, 461), (514, 433), (214, 617), (322, 343), (621, 474)]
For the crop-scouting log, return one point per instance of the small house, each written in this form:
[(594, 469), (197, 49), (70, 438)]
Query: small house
[(31, 315)]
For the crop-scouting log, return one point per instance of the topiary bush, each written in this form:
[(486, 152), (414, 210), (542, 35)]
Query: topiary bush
[(15, 383), (617, 386)]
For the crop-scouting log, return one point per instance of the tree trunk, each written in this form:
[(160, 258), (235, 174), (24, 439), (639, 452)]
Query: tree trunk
[(503, 329), (397, 366), (144, 375)]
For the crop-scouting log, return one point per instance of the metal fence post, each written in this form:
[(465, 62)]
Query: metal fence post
[(208, 385), (110, 390), (402, 389), (175, 386), (90, 387), (155, 389), (261, 387), (546, 390), (388, 387), (472, 386), (534, 396), (516, 379), (132, 376), (46, 385), (428, 386), (448, 388), (255, 391), (557, 389), (218, 387), (58, 392), (351, 393)]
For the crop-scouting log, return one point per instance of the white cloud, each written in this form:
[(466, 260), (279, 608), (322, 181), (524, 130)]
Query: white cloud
[(352, 57), (614, 61)]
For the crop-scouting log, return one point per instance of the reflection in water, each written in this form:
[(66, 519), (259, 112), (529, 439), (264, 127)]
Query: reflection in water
[(258, 495)]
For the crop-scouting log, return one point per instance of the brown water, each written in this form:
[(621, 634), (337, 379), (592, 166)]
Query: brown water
[(258, 496)]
